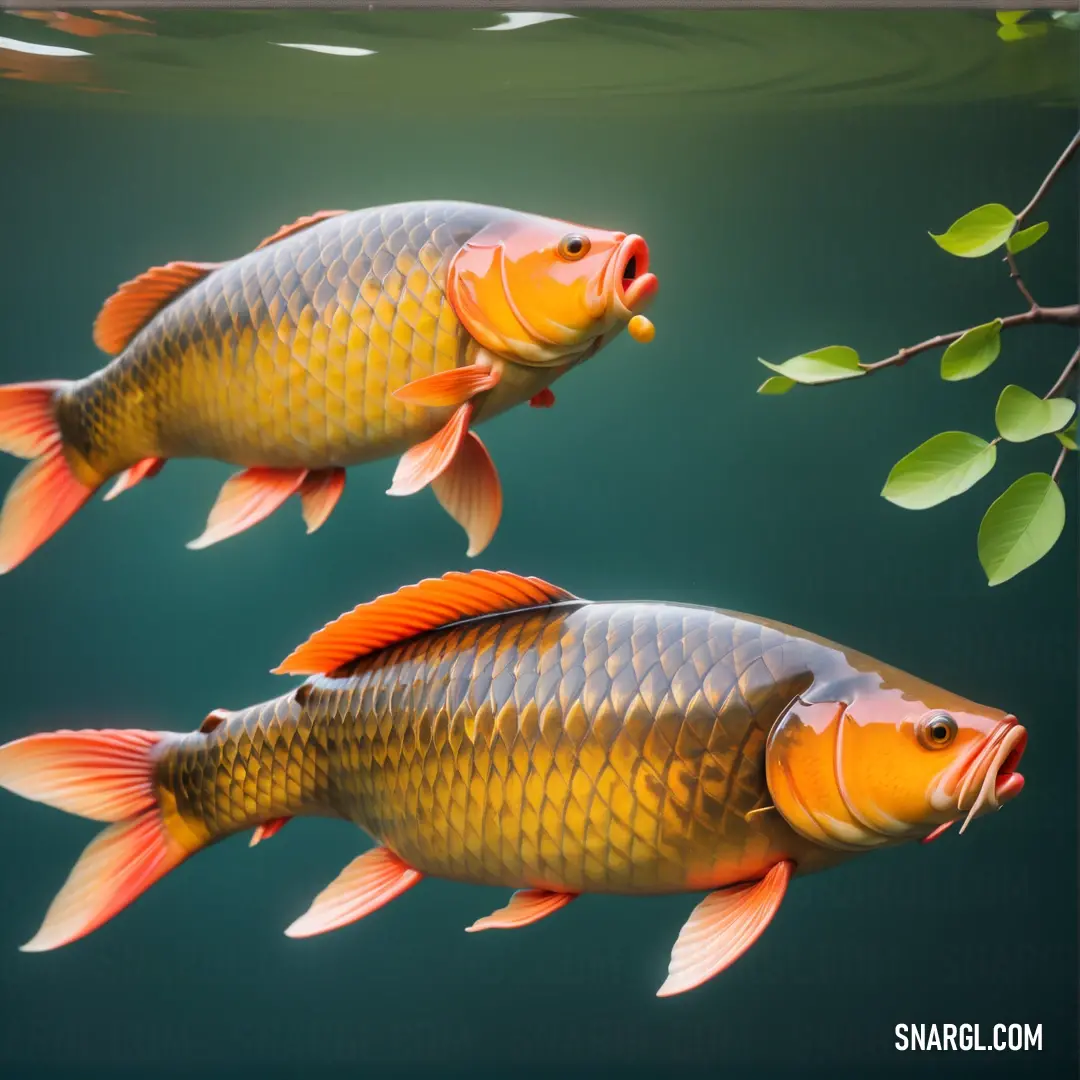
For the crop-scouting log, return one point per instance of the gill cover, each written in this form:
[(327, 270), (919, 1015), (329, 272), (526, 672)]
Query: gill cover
[(803, 758), (543, 291)]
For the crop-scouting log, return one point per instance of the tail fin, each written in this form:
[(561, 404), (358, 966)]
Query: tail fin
[(105, 776), (46, 493)]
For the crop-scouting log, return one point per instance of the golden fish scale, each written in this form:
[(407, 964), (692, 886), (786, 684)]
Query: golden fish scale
[(585, 747), (289, 356)]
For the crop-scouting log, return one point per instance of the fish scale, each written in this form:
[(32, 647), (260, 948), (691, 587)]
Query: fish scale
[(290, 355), (579, 747)]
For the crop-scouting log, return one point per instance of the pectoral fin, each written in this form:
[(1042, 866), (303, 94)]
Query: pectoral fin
[(722, 927), (449, 387), (368, 882), (470, 492), (526, 907), (430, 459)]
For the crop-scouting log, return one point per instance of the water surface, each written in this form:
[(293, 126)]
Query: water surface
[(785, 168)]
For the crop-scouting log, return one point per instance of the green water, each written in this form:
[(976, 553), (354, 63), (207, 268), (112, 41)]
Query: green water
[(785, 168)]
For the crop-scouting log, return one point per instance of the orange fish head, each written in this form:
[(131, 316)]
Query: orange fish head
[(889, 760), (545, 292)]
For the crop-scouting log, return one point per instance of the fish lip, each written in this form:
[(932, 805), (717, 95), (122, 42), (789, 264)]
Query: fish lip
[(635, 289)]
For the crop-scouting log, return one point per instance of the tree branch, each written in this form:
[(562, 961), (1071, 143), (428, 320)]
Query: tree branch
[(1051, 176), (1060, 462), (1061, 316), (1070, 367), (1014, 273)]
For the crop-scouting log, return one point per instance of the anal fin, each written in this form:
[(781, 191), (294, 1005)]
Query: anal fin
[(247, 498), (544, 399), (526, 907), (368, 882), (722, 927), (142, 470)]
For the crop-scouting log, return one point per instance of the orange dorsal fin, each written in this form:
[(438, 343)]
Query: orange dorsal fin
[(299, 225), (137, 301), (414, 609)]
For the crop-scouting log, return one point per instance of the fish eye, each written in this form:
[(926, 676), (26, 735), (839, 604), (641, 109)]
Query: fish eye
[(937, 731), (573, 246)]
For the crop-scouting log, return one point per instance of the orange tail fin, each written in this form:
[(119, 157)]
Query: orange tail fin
[(106, 776), (46, 493)]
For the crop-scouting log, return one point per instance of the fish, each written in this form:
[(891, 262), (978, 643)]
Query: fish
[(491, 728), (342, 338)]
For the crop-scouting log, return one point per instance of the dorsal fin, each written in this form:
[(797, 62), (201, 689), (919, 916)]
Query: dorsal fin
[(137, 301), (300, 224), (413, 610)]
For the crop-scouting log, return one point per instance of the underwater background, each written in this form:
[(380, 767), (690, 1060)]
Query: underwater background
[(785, 168)]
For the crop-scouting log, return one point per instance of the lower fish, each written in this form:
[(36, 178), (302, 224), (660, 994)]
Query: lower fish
[(491, 728)]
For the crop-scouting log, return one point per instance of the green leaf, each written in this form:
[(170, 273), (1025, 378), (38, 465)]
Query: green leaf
[(941, 468), (979, 232), (1021, 31), (831, 364), (1021, 416), (776, 384), (973, 353), (1067, 438), (1007, 18), (1020, 527), (1026, 237)]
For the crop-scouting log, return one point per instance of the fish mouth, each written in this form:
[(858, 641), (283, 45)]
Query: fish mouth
[(992, 775), (634, 285)]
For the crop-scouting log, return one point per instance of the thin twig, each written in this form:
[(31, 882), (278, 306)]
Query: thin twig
[(1062, 316), (1051, 176), (1070, 367), (1060, 462), (1014, 273)]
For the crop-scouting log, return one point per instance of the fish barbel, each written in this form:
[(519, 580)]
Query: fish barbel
[(495, 729), (342, 338)]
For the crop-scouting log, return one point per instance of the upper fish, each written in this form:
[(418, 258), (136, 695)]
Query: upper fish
[(496, 729), (342, 338)]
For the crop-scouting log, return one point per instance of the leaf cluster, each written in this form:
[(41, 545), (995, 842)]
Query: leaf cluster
[(1026, 520)]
